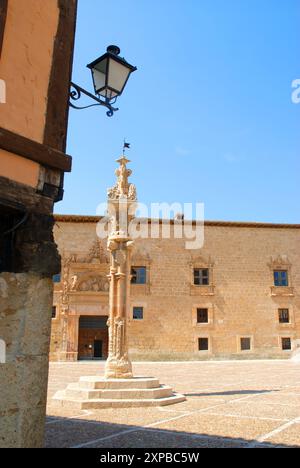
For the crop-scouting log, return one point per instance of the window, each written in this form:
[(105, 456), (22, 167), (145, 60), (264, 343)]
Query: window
[(201, 276), (286, 344), (203, 344), (53, 312), (284, 316), (281, 278), (57, 278), (202, 315), (138, 275), (138, 313), (245, 344)]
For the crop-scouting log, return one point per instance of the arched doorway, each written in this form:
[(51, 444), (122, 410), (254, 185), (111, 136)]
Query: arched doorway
[(93, 337)]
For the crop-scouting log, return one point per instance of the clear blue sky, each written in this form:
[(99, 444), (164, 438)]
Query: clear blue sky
[(208, 113)]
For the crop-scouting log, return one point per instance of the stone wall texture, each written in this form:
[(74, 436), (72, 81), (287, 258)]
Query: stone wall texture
[(25, 316), (241, 298)]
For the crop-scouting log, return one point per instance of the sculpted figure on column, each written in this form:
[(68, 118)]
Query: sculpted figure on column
[(121, 198)]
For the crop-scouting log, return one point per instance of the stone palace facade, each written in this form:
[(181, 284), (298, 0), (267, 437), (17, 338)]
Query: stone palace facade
[(237, 297)]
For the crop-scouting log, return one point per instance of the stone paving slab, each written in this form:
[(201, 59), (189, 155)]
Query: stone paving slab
[(229, 404)]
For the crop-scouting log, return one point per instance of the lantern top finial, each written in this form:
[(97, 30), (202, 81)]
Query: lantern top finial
[(113, 49)]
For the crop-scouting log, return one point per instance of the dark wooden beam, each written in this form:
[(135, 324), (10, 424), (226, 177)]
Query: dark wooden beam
[(55, 134), (34, 151), (3, 14)]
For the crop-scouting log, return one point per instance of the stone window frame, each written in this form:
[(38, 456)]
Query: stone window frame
[(291, 315), (239, 344), (286, 275), (196, 344), (143, 313), (283, 336), (141, 261), (202, 264), (138, 304), (281, 263), (211, 312), (201, 276), (136, 274)]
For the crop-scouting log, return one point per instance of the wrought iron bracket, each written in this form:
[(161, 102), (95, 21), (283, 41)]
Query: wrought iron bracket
[(76, 93)]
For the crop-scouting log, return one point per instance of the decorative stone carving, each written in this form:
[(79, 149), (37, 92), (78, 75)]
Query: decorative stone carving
[(280, 262), (141, 257), (97, 252), (122, 189), (199, 261), (74, 282), (66, 261), (95, 284)]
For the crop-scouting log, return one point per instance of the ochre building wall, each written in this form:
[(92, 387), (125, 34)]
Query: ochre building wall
[(241, 298)]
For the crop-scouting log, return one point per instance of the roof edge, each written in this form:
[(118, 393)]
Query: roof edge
[(243, 224)]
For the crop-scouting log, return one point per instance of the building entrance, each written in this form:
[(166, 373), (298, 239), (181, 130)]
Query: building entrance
[(93, 338)]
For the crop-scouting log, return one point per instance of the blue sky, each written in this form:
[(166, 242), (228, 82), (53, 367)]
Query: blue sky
[(208, 113)]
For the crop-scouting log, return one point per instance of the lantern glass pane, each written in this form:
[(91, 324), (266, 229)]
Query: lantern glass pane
[(117, 75), (99, 73)]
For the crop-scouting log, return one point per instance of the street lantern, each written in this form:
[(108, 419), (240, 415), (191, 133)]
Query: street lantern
[(110, 73)]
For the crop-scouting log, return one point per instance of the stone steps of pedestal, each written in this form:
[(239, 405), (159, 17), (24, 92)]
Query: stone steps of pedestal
[(98, 383), (162, 391), (64, 401)]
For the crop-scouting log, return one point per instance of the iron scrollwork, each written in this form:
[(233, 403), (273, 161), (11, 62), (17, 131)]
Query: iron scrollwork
[(76, 93)]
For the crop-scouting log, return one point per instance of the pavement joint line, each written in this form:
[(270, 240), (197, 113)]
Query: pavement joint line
[(194, 436), (271, 434), (237, 416), (134, 429)]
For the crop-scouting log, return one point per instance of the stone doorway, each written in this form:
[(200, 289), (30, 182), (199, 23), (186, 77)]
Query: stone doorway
[(93, 338)]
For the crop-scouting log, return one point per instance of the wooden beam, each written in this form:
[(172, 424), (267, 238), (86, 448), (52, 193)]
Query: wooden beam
[(55, 134), (34, 151), (3, 14)]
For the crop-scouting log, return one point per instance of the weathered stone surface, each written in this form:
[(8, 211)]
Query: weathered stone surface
[(25, 320), (116, 393)]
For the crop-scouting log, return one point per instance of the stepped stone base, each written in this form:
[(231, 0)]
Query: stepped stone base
[(99, 393)]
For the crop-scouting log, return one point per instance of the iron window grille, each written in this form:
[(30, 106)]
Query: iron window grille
[(284, 316), (201, 276), (202, 315)]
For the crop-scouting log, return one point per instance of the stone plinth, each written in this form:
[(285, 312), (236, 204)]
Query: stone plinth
[(100, 393)]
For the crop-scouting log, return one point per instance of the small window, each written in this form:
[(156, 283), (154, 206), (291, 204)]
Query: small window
[(53, 312), (281, 278), (245, 344), (138, 275), (138, 313), (203, 344), (286, 344), (202, 315), (57, 278), (284, 316), (201, 276)]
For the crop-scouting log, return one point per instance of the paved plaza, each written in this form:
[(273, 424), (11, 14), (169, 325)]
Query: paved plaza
[(229, 404)]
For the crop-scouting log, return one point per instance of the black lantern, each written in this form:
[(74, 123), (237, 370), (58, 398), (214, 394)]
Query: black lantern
[(110, 73)]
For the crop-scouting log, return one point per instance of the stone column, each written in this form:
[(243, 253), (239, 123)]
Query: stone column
[(120, 199), (26, 300)]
